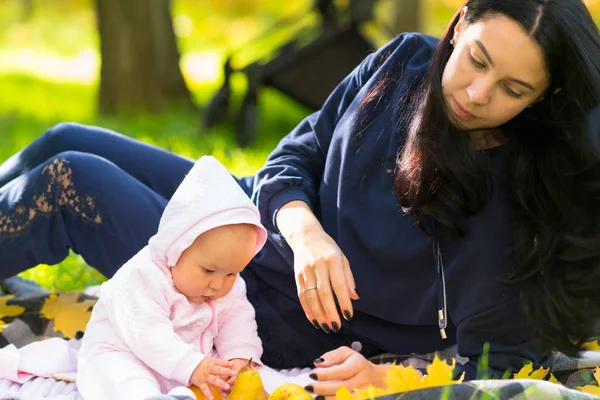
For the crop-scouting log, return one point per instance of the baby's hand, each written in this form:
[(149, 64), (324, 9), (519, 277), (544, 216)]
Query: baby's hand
[(238, 364), (213, 371)]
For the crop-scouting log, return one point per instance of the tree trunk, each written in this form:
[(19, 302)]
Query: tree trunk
[(140, 59)]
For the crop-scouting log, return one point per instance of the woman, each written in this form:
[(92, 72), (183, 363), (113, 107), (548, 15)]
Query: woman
[(450, 182)]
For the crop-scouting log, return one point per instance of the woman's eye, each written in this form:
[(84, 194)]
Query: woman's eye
[(476, 63), (512, 93)]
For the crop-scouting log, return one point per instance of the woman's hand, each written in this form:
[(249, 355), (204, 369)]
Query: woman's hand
[(345, 367), (320, 267), (212, 371)]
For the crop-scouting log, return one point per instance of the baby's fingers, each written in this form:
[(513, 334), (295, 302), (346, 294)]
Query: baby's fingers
[(222, 368), (218, 382), (206, 391)]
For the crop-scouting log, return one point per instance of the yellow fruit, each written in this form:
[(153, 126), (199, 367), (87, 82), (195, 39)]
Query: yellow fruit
[(290, 391), (248, 386), (216, 393)]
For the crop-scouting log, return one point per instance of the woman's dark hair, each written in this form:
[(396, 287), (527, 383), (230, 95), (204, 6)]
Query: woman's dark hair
[(556, 175)]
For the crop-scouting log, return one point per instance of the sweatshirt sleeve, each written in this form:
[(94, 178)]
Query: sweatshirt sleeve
[(509, 344), (139, 312), (293, 171), (238, 332)]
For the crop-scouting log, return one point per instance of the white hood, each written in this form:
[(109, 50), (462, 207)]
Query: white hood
[(207, 198)]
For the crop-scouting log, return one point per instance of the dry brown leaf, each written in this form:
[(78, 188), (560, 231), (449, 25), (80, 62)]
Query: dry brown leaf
[(70, 315), (8, 311)]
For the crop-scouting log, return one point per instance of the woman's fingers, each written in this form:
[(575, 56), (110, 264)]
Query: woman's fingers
[(351, 284), (311, 294), (339, 284), (332, 318), (335, 357), (301, 285)]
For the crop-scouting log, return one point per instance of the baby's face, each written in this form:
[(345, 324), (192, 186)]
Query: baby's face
[(208, 268)]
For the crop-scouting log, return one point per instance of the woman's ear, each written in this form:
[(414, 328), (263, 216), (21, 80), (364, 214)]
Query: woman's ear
[(460, 25)]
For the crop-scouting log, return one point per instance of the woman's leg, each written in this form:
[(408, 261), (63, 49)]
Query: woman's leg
[(75, 201), (160, 170)]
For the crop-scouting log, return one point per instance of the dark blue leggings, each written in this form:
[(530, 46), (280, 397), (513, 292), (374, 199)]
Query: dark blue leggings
[(75, 187)]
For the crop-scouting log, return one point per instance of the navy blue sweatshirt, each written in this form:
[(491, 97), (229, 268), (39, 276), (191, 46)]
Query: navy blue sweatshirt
[(340, 161)]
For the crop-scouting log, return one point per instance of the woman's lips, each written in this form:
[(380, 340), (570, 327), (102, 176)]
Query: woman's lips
[(460, 111)]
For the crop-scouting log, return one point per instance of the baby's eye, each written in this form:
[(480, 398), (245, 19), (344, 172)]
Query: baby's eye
[(231, 274), (208, 271)]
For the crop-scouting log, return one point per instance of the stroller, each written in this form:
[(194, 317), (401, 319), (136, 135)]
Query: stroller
[(306, 72)]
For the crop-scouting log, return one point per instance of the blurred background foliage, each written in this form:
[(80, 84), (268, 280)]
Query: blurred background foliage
[(50, 68)]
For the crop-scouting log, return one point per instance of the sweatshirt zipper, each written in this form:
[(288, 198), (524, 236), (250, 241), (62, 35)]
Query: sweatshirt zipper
[(212, 319), (441, 284)]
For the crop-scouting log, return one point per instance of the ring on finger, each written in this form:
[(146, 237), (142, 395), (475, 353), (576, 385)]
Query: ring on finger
[(309, 288)]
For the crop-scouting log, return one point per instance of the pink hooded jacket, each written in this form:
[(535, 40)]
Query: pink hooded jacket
[(141, 312)]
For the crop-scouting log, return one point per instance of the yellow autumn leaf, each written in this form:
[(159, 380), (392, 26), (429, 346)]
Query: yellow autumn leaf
[(539, 374), (590, 389), (439, 373), (344, 394), (593, 345), (402, 379), (370, 393), (8, 311), (70, 315)]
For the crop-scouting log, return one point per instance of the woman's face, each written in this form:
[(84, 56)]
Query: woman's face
[(495, 71)]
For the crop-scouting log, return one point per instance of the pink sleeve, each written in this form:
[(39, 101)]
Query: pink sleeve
[(140, 314), (238, 332)]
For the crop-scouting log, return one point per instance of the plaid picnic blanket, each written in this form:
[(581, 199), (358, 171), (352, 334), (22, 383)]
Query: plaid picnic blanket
[(571, 372)]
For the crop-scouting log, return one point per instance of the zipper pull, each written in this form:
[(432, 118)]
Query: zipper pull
[(442, 324)]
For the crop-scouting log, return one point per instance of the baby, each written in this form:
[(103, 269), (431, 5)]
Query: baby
[(176, 313)]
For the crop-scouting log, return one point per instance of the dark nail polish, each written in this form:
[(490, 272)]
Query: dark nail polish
[(309, 389), (313, 376), (319, 360), (316, 324), (335, 326), (326, 328), (319, 398), (347, 315)]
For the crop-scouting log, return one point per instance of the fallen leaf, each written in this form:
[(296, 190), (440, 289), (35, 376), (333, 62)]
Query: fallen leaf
[(8, 311), (402, 379), (593, 345), (539, 374), (370, 393), (439, 373), (70, 315), (589, 389), (344, 394)]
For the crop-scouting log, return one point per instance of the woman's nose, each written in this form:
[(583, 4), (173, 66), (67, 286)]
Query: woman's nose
[(479, 91)]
